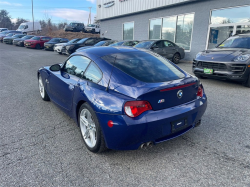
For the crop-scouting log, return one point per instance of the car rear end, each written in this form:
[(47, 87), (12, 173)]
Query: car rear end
[(48, 46), (7, 40), (162, 105)]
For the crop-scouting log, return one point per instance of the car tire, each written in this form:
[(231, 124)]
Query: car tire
[(247, 83), (38, 32), (60, 53), (176, 58), (93, 31), (25, 33), (90, 129), (38, 46), (42, 90)]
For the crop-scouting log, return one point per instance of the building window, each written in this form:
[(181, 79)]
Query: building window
[(177, 29), (155, 29), (169, 28), (184, 31), (128, 31), (231, 15)]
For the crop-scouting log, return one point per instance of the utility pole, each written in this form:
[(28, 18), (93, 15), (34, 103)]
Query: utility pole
[(89, 20), (32, 14)]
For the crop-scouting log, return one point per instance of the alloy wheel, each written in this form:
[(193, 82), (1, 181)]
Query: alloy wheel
[(88, 128), (41, 87)]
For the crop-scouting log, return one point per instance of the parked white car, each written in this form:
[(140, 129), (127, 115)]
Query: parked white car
[(58, 47), (93, 28), (27, 27)]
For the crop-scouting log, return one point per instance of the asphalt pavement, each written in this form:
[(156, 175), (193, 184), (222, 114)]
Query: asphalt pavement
[(41, 146)]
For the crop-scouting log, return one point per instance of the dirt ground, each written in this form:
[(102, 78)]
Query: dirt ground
[(68, 35)]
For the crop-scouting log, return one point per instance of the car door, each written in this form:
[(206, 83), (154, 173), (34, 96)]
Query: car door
[(62, 83), (169, 49), (157, 47)]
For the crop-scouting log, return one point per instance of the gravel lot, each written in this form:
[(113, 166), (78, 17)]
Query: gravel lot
[(42, 146)]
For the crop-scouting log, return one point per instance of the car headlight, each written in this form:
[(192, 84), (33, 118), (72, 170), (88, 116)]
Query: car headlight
[(198, 54), (242, 58)]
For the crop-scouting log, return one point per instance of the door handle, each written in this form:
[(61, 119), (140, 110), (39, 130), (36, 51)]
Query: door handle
[(71, 86)]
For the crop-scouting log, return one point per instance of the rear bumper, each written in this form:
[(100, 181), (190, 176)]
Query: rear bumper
[(49, 48), (152, 126)]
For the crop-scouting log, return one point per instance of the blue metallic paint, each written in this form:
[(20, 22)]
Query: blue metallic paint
[(127, 133)]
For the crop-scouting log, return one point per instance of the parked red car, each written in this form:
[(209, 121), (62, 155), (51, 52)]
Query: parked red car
[(36, 42)]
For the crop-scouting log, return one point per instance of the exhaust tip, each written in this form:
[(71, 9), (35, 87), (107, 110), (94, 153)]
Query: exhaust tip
[(143, 146), (150, 144)]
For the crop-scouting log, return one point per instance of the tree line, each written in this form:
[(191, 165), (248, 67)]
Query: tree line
[(46, 24)]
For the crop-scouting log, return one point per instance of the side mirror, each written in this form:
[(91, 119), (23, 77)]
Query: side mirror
[(55, 67)]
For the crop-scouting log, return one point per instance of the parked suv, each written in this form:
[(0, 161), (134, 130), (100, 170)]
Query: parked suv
[(36, 42), (164, 48), (229, 60), (71, 48), (50, 44), (9, 40), (93, 28), (75, 27)]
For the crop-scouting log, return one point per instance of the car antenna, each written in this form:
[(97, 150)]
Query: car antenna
[(111, 74)]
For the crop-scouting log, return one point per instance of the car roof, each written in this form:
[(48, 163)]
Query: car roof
[(107, 50)]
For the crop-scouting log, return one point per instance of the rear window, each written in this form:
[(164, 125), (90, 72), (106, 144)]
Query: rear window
[(145, 66)]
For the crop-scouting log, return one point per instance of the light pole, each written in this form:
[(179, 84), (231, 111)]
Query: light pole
[(32, 14)]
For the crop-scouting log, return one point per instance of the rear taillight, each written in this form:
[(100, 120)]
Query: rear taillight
[(200, 91), (136, 108)]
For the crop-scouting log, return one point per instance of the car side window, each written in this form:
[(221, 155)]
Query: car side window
[(90, 42), (158, 44), (168, 44), (76, 65), (93, 73)]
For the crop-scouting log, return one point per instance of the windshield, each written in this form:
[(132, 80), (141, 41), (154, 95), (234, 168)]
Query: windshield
[(236, 42), (4, 32), (11, 34), (74, 41), (82, 40), (145, 45), (27, 37), (91, 25), (145, 66), (100, 43), (117, 44), (73, 24), (21, 27), (55, 40), (35, 38), (17, 35)]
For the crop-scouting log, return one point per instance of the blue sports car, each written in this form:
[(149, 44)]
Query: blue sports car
[(124, 98)]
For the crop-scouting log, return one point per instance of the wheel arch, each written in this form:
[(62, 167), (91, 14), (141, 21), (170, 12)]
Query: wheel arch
[(79, 104)]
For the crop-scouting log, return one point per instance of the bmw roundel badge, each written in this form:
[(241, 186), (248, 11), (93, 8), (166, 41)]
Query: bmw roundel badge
[(180, 94)]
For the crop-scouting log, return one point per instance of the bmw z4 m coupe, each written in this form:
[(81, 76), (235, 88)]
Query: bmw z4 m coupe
[(229, 60), (124, 98)]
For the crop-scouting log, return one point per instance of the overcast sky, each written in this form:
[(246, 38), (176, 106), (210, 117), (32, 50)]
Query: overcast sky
[(57, 10)]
